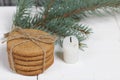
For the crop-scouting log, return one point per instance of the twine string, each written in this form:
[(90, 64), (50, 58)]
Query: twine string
[(36, 40), (11, 54)]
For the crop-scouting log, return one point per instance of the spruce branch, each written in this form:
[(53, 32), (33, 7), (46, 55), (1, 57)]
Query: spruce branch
[(60, 17), (91, 8), (45, 14)]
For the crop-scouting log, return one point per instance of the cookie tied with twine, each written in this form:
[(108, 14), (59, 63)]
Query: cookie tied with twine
[(30, 43)]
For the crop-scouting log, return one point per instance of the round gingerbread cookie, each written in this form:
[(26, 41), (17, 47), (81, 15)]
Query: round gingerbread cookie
[(31, 58), (28, 47), (31, 68), (32, 63), (31, 73)]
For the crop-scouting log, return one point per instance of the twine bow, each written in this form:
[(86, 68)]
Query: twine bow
[(27, 37)]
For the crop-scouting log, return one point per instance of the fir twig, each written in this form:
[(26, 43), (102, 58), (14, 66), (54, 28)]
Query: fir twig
[(59, 16), (92, 8), (45, 14)]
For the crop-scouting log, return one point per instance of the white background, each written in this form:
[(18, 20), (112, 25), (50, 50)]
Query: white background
[(100, 61)]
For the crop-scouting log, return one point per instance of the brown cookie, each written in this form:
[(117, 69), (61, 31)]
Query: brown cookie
[(31, 73), (29, 48), (31, 68), (31, 58), (32, 63)]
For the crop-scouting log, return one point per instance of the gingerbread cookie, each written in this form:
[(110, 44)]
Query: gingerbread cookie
[(31, 68), (32, 58), (31, 73), (29, 48), (32, 63)]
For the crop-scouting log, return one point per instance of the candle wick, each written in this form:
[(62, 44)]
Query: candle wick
[(70, 39)]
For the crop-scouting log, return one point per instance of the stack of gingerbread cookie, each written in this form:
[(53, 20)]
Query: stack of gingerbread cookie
[(27, 58)]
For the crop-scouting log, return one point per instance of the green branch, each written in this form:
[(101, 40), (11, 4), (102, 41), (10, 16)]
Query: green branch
[(60, 17), (91, 8)]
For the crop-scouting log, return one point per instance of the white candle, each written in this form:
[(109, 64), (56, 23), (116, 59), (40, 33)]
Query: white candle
[(70, 49)]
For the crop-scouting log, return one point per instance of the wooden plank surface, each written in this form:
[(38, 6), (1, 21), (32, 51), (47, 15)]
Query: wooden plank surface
[(100, 61)]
